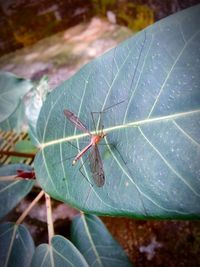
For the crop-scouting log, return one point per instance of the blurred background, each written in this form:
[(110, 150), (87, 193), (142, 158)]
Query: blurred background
[(24, 22), (56, 37)]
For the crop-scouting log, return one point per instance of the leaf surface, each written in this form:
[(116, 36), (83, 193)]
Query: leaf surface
[(61, 253), (12, 89), (15, 120), (11, 192), (151, 153), (16, 246), (96, 244)]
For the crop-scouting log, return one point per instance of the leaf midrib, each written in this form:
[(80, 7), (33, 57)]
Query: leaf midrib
[(122, 126)]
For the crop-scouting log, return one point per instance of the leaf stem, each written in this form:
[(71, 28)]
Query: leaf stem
[(23, 215), (49, 217), (9, 178), (17, 154)]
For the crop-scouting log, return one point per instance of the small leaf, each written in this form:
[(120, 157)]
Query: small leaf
[(61, 252), (12, 89), (15, 120), (16, 246), (34, 101), (91, 237), (33, 136), (152, 145), (11, 192)]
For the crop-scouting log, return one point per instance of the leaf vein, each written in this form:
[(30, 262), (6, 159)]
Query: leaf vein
[(168, 164), (91, 240), (167, 77), (137, 83), (133, 182), (186, 134)]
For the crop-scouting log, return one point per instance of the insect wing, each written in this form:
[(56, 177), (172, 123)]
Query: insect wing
[(96, 166), (75, 120)]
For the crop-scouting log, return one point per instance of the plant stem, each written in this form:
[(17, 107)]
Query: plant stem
[(9, 178), (23, 215), (17, 154), (49, 217)]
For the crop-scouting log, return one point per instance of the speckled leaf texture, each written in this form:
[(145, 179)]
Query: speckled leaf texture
[(151, 154)]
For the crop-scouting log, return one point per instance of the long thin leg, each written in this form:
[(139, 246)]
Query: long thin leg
[(64, 159), (73, 145), (116, 104), (80, 170), (93, 120), (71, 157), (145, 210), (115, 147), (99, 120), (105, 109), (100, 114)]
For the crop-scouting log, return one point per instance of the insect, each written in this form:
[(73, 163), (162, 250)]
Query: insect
[(96, 164)]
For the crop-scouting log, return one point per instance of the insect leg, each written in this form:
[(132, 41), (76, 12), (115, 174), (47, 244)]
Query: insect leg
[(81, 167)]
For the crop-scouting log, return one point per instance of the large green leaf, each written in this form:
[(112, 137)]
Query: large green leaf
[(12, 89), (61, 252), (96, 244), (11, 192), (153, 170), (16, 246)]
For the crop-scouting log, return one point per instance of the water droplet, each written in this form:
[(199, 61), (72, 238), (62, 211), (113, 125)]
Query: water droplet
[(126, 184)]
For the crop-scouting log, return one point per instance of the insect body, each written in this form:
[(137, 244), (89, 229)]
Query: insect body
[(95, 160)]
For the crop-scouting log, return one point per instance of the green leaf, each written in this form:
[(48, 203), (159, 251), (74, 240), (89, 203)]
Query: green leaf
[(35, 100), (33, 136), (11, 192), (34, 104), (23, 146), (91, 237), (153, 168), (12, 89), (61, 252), (15, 120), (16, 246)]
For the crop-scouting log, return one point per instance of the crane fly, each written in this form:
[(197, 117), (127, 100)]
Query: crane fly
[(96, 164)]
